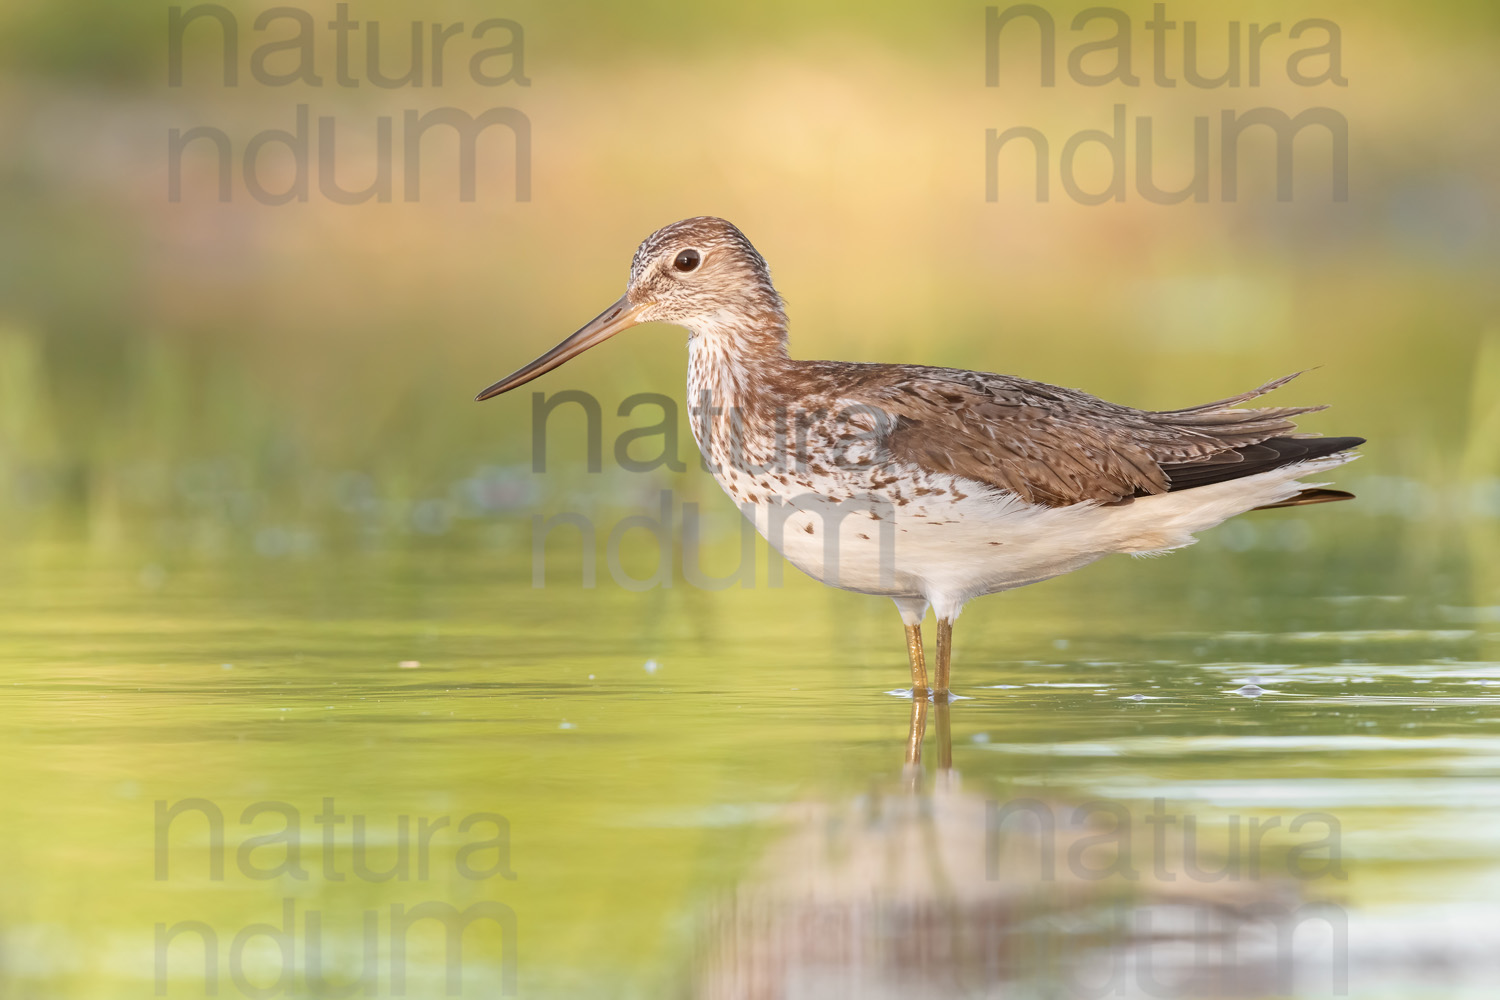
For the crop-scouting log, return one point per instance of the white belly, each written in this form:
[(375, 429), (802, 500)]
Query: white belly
[(971, 540), (980, 544)]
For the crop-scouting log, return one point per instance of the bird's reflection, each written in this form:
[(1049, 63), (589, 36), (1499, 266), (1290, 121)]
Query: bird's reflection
[(922, 889)]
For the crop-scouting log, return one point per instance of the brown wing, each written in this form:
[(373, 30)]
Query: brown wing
[(1057, 446)]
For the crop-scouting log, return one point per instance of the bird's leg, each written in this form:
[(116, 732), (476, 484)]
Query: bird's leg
[(918, 662), (913, 610), (944, 657)]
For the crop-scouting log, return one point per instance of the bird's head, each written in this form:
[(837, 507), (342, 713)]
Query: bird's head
[(700, 273)]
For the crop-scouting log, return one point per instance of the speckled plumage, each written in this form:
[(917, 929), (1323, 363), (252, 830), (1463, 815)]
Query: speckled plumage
[(935, 485)]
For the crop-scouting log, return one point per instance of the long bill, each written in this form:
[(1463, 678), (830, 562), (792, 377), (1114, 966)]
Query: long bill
[(620, 316)]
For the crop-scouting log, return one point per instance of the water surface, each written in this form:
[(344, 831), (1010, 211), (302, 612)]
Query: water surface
[(709, 793)]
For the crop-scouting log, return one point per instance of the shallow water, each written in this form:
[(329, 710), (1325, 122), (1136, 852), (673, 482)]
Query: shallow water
[(682, 793)]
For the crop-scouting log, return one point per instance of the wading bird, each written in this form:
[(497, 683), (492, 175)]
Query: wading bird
[(933, 486)]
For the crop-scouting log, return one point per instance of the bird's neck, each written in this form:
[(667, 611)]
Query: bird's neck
[(731, 350), (733, 364)]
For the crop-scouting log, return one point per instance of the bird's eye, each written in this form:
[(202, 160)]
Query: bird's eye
[(687, 260)]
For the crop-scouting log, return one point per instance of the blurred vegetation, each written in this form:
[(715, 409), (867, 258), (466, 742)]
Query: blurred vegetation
[(185, 377), (189, 376), (119, 42)]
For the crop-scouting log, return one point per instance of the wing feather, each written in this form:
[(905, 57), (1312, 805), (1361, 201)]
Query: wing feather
[(1058, 447)]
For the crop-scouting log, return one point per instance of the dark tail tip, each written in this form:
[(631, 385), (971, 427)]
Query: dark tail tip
[(1317, 447)]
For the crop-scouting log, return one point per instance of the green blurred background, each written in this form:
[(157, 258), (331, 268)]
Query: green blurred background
[(180, 378), (242, 477)]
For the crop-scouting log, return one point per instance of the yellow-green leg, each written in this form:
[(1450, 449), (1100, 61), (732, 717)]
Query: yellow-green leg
[(918, 661), (944, 657)]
